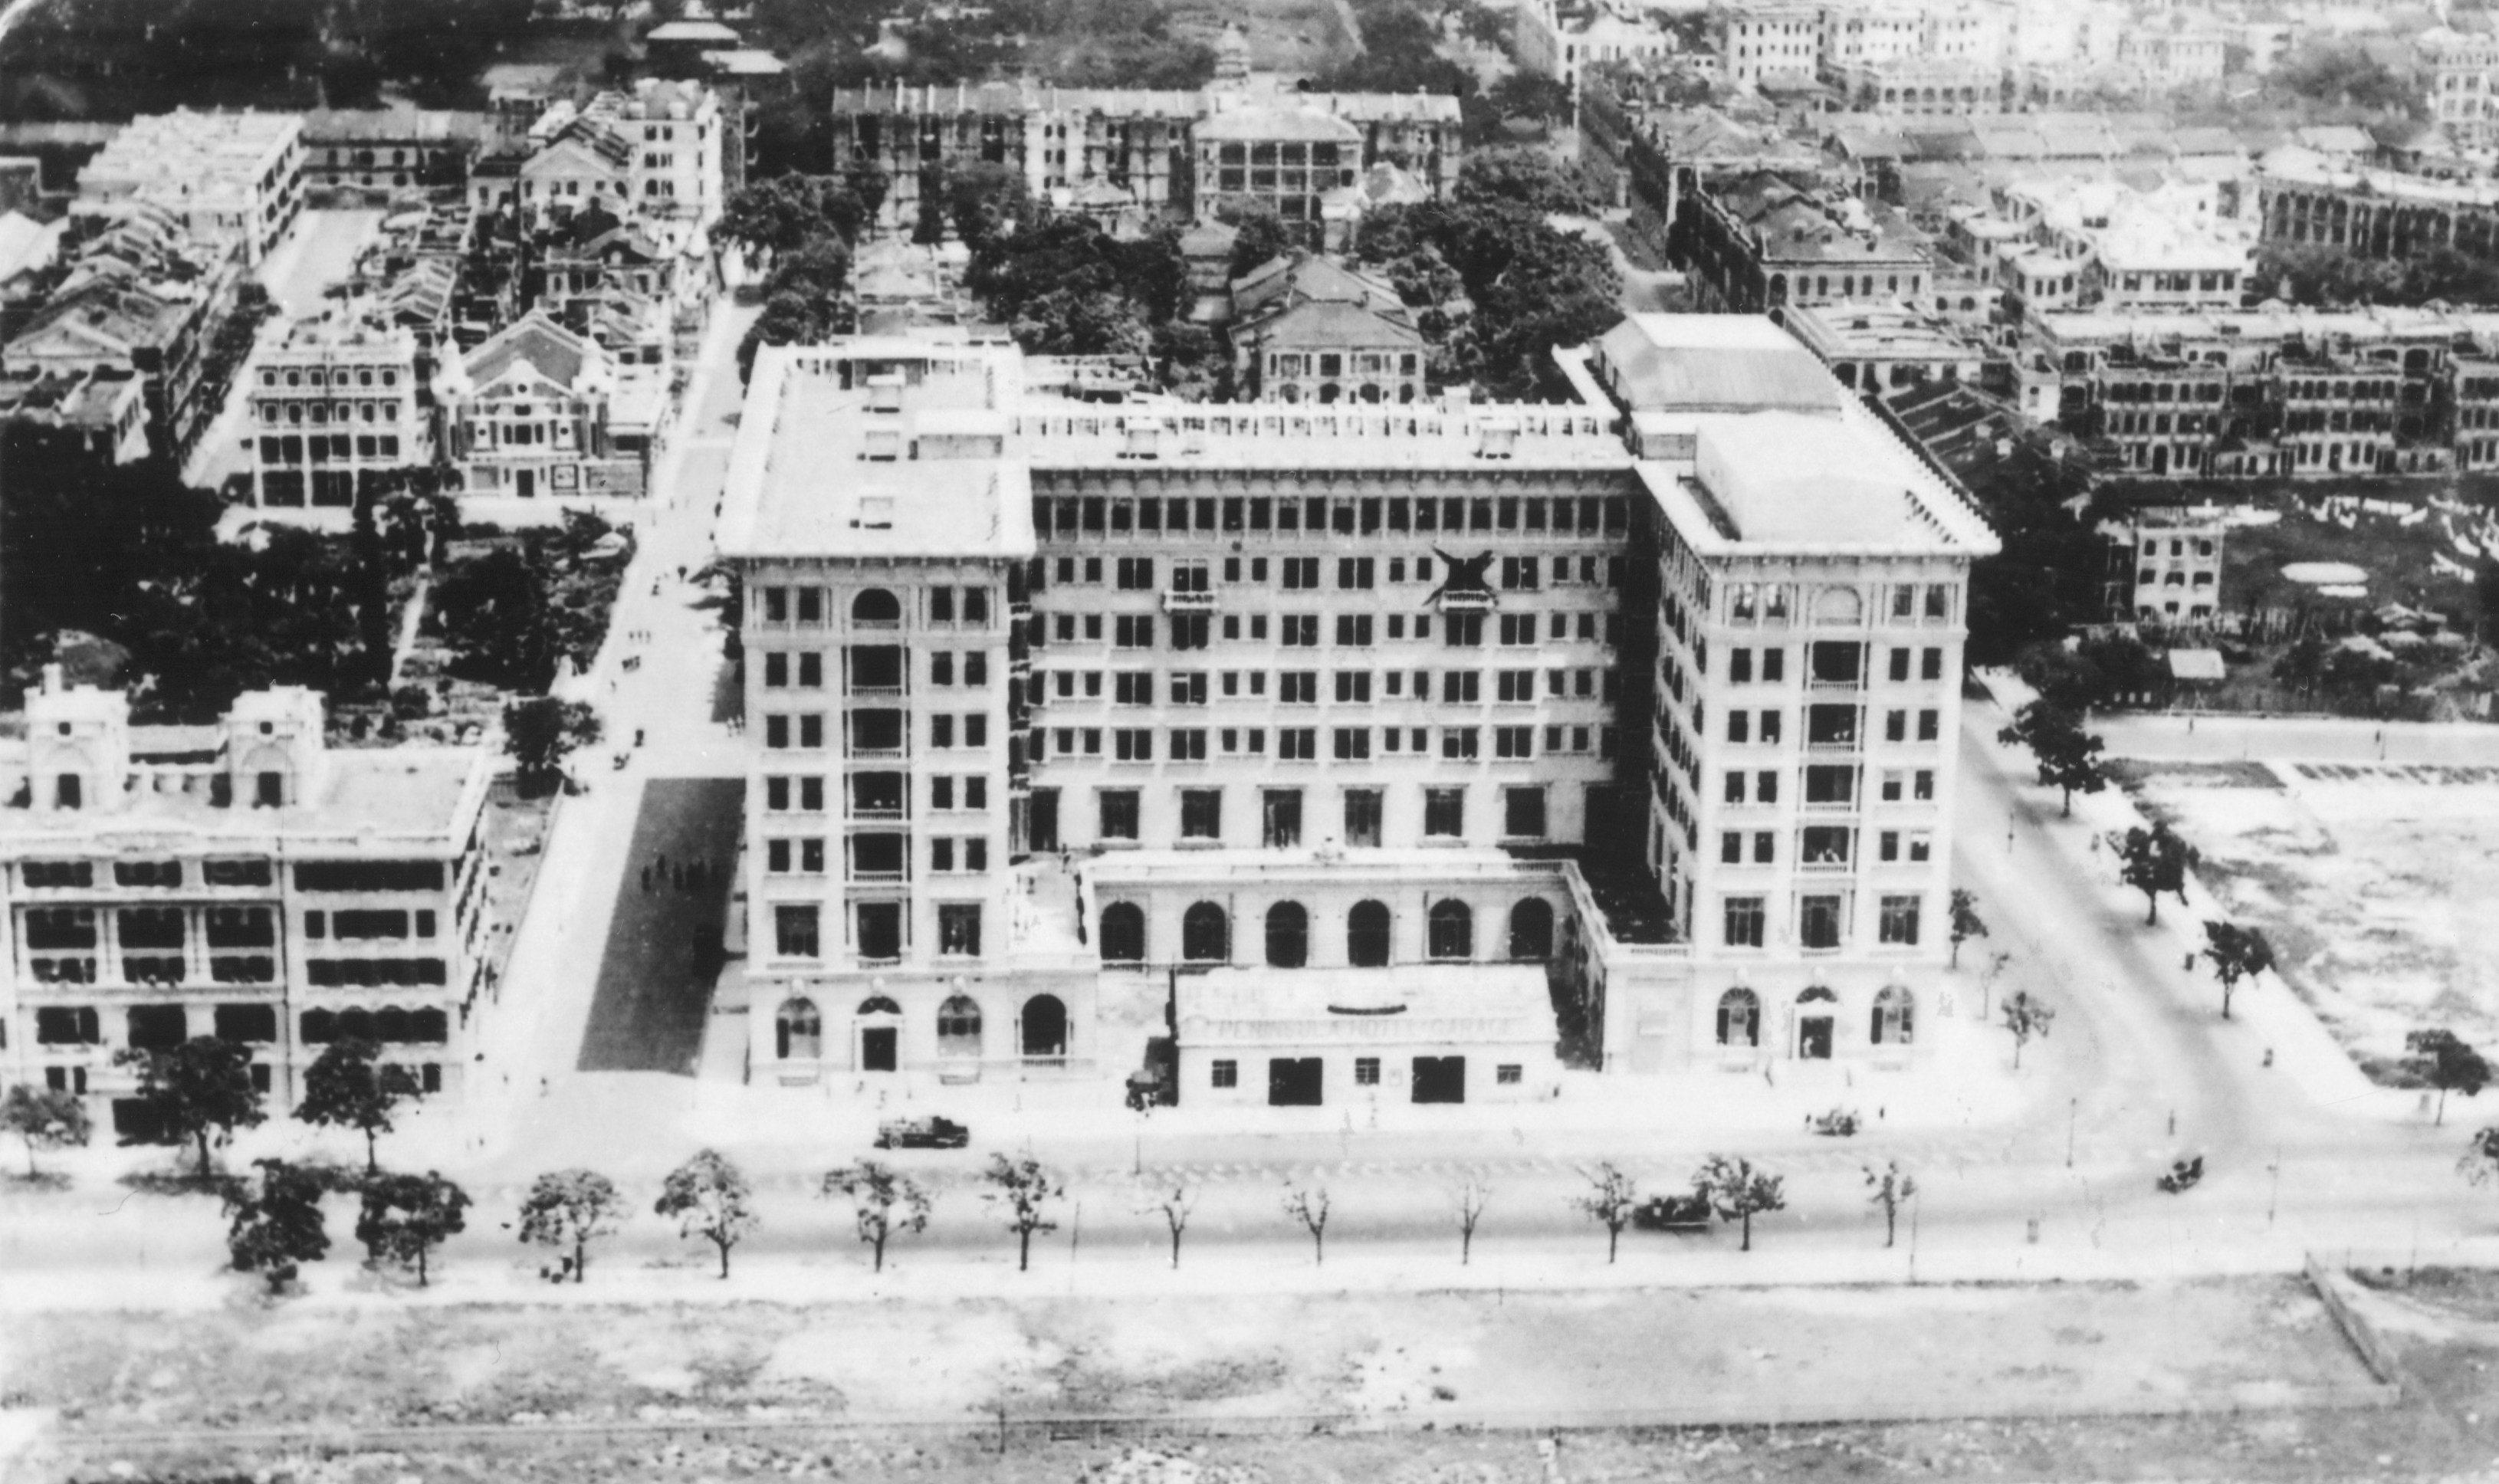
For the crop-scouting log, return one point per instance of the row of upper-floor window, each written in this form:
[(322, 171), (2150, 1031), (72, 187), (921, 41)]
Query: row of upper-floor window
[(1773, 603), (1333, 363), (1312, 744), (1826, 847), (1821, 920), (162, 1027), (874, 667), (309, 875), (1828, 784), (1826, 726), (1297, 574), (1069, 515), (883, 931), (874, 730), (1118, 812), (806, 603), (324, 448), (876, 857), (875, 794), (1198, 688), (276, 411), (1304, 630), (221, 927), (340, 376)]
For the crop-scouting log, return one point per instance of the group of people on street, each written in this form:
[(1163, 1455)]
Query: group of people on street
[(698, 875)]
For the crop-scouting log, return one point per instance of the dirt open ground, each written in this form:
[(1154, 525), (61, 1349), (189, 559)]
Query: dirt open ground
[(543, 1380), (2373, 883)]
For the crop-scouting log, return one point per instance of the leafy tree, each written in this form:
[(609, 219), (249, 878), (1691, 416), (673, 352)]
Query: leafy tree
[(1259, 236), (1524, 175), (2235, 952), (204, 1084), (785, 214), (406, 1216), (2068, 758), (2346, 73), (882, 1200), (1486, 25), (2480, 1161), (1610, 1200), (1890, 1188), (348, 1086), (1308, 1206), (1025, 1187), (1738, 1191), (1967, 923), (275, 1229), (571, 1208), (415, 517), (1174, 1198), (541, 731), (1469, 1198), (1530, 95), (43, 1118), (819, 269), (793, 317), (2152, 861), (711, 1200), (1524, 287), (2027, 1015), (2447, 1064)]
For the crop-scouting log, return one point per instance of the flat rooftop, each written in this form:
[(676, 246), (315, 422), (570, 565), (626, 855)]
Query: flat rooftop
[(1782, 483), (366, 796)]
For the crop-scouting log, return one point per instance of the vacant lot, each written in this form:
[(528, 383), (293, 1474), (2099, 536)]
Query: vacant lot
[(2374, 884)]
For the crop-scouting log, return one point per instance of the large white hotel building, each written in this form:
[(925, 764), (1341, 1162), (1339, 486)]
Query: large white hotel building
[(1403, 745)]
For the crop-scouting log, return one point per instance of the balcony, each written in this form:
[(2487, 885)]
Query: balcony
[(1176, 601), (1466, 602)]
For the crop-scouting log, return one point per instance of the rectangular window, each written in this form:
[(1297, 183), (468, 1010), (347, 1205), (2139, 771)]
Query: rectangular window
[(1444, 812), (1744, 922), (1775, 666), (794, 931), (1900, 664), (1226, 1073), (1132, 744), (1297, 744), (1818, 922), (1740, 665), (1930, 664), (1281, 821), (1351, 744), (1925, 784), (1118, 813), (1366, 1071), (1929, 725), (1900, 919), (1523, 813), (1362, 813), (1458, 742), (959, 929), (1201, 814)]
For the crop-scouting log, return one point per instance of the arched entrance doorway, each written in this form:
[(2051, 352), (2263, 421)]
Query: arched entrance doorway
[(880, 1034), (1044, 1028), (798, 1031), (1815, 1009)]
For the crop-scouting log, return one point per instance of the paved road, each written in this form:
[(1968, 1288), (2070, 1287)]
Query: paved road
[(2307, 739), (655, 976)]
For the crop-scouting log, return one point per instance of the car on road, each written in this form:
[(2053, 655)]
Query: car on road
[(921, 1134), (1674, 1213)]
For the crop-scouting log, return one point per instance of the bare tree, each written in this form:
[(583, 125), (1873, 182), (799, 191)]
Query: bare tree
[(1173, 1198), (2025, 1017), (1891, 1186), (1308, 1206), (1610, 1200), (1469, 1196), (882, 1200)]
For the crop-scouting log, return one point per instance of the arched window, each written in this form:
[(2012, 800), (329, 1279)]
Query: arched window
[(798, 1031), (1123, 933), (1531, 929), (876, 605), (1204, 937), (1365, 935), (1045, 1027), (1453, 931), (879, 1005), (958, 1027), (1895, 1017), (1288, 936), (1739, 1019)]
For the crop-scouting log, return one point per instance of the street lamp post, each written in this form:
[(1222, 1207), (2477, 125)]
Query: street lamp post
[(2073, 1111)]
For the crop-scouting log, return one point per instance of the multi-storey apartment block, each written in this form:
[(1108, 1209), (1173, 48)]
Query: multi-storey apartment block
[(2456, 71), (236, 880), (227, 176), (1765, 40), (1761, 244), (1177, 154), (2373, 213), (335, 400), (2166, 566), (2267, 392), (1328, 715)]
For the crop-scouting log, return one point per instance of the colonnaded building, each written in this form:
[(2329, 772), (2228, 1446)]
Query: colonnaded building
[(1404, 746)]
